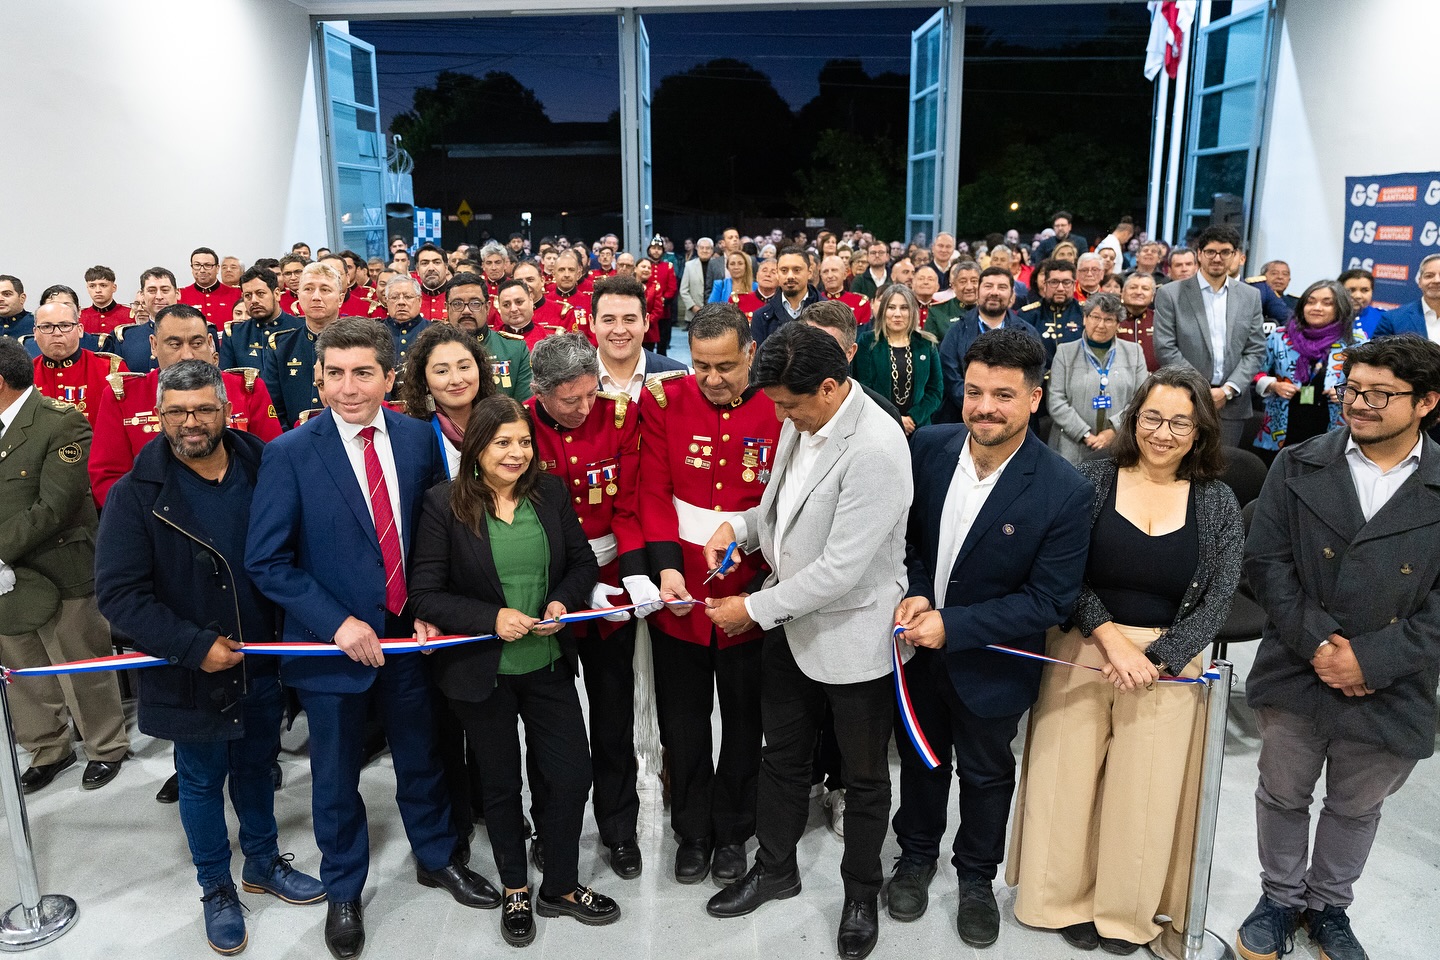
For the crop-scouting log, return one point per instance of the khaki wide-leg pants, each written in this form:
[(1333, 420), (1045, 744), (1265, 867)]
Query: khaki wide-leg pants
[(1105, 811)]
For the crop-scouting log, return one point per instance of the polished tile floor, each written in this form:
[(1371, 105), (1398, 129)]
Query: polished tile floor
[(123, 857)]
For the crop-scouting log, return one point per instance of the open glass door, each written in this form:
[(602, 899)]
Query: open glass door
[(353, 143), (927, 120)]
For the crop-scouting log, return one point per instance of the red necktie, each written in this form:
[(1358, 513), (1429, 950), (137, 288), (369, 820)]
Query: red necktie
[(384, 525)]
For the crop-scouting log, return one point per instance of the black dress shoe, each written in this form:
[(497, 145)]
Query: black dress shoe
[(345, 929), (692, 861), (1081, 936), (858, 929), (537, 854), (729, 862), (1123, 948), (625, 860), (40, 775), (517, 923), (465, 885), (978, 919), (100, 772), (169, 791), (750, 891), (590, 908)]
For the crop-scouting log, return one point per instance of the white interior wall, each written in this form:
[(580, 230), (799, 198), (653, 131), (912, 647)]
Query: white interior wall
[(1352, 97), (138, 131)]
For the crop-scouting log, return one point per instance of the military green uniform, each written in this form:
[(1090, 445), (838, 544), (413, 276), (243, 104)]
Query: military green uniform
[(509, 361), (47, 526)]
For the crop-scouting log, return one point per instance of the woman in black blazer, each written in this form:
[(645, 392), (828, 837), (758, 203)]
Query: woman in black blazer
[(498, 549)]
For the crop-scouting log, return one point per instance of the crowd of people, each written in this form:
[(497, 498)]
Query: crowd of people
[(877, 456)]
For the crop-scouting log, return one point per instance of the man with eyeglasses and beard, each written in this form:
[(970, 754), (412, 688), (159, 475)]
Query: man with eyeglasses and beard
[(509, 356), (1056, 316)]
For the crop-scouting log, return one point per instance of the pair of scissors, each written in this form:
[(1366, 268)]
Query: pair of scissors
[(727, 563)]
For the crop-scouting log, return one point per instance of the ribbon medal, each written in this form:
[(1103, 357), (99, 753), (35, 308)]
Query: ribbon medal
[(592, 479), (611, 470), (502, 372)]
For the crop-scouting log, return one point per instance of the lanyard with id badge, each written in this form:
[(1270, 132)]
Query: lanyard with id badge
[(1102, 401)]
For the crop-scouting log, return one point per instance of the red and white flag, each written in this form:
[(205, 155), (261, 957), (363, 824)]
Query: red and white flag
[(1169, 22)]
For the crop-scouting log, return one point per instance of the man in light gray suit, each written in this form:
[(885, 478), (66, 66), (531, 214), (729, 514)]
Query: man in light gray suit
[(1216, 325), (831, 526), (694, 282)]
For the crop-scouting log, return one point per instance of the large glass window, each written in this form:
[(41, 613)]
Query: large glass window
[(927, 101), (1231, 63), (354, 144)]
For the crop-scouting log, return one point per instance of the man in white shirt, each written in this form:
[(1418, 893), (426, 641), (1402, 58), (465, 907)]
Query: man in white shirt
[(996, 550), (1343, 560), (836, 552), (617, 317), (1215, 325), (1421, 317)]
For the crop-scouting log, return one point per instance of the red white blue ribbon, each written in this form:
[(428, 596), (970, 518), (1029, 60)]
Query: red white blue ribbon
[(1028, 655), (908, 719), (133, 661)]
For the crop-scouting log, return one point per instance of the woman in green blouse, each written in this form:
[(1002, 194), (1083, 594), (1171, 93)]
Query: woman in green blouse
[(901, 361), (499, 550)]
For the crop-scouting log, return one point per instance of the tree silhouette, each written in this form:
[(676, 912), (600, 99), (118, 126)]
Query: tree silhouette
[(463, 108)]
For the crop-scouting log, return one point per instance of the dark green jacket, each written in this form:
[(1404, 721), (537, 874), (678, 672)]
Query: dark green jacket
[(47, 516), (872, 368)]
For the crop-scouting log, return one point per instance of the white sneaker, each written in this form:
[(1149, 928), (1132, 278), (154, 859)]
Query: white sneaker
[(835, 806)]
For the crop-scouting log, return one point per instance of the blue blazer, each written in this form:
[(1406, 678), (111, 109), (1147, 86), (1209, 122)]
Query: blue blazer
[(1018, 572), (659, 363), (964, 331), (312, 547), (1407, 319)]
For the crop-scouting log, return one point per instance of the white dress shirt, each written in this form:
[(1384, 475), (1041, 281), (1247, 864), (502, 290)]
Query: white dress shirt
[(355, 450), (1215, 305), (632, 387), (13, 411), (963, 502), (1374, 486), (1432, 322)]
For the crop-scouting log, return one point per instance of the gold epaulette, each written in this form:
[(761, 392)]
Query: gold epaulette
[(622, 404), (508, 335), (249, 373), (117, 383), (656, 385), (229, 324), (863, 299), (113, 359), (307, 414), (1031, 306), (54, 404), (1256, 279), (119, 331)]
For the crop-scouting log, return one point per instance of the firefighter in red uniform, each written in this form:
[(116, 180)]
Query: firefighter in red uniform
[(833, 273), (127, 420), (65, 370), (291, 266), (494, 267), (105, 312), (708, 443), (431, 271), (767, 282), (571, 295), (215, 300), (358, 300), (516, 314), (546, 312), (606, 256), (647, 274), (591, 440)]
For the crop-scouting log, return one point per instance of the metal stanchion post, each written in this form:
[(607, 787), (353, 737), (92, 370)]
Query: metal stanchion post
[(36, 919), (1199, 943)]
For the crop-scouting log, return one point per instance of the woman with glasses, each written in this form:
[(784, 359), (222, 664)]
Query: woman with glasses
[(1104, 814), (900, 361), (1091, 381), (1305, 368)]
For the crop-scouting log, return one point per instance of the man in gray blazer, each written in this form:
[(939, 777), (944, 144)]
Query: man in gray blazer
[(694, 285), (1214, 324), (831, 526)]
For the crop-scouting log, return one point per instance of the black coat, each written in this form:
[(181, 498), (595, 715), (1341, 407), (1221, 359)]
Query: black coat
[(455, 586), (161, 582), (773, 315)]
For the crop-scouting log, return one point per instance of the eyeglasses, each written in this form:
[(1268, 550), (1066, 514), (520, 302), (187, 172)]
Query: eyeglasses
[(64, 327), (1180, 426), (474, 306), (203, 266), (205, 416), (1217, 254), (1374, 399)]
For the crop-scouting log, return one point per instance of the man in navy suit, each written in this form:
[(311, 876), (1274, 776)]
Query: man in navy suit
[(996, 548), (1422, 317), (336, 503), (991, 312)]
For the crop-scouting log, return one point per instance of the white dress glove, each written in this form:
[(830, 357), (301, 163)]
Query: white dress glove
[(643, 591), (600, 599), (7, 579)]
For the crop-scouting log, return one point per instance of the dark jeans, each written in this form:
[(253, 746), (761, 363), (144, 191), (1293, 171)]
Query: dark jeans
[(715, 800), (204, 767), (793, 706), (984, 765), (545, 701)]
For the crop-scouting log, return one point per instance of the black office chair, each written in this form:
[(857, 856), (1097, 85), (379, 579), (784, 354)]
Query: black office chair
[(1244, 474)]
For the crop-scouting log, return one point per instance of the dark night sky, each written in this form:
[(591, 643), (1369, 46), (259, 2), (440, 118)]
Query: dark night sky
[(572, 63)]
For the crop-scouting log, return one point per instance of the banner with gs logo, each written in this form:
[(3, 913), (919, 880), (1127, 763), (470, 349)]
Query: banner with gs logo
[(1391, 222)]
